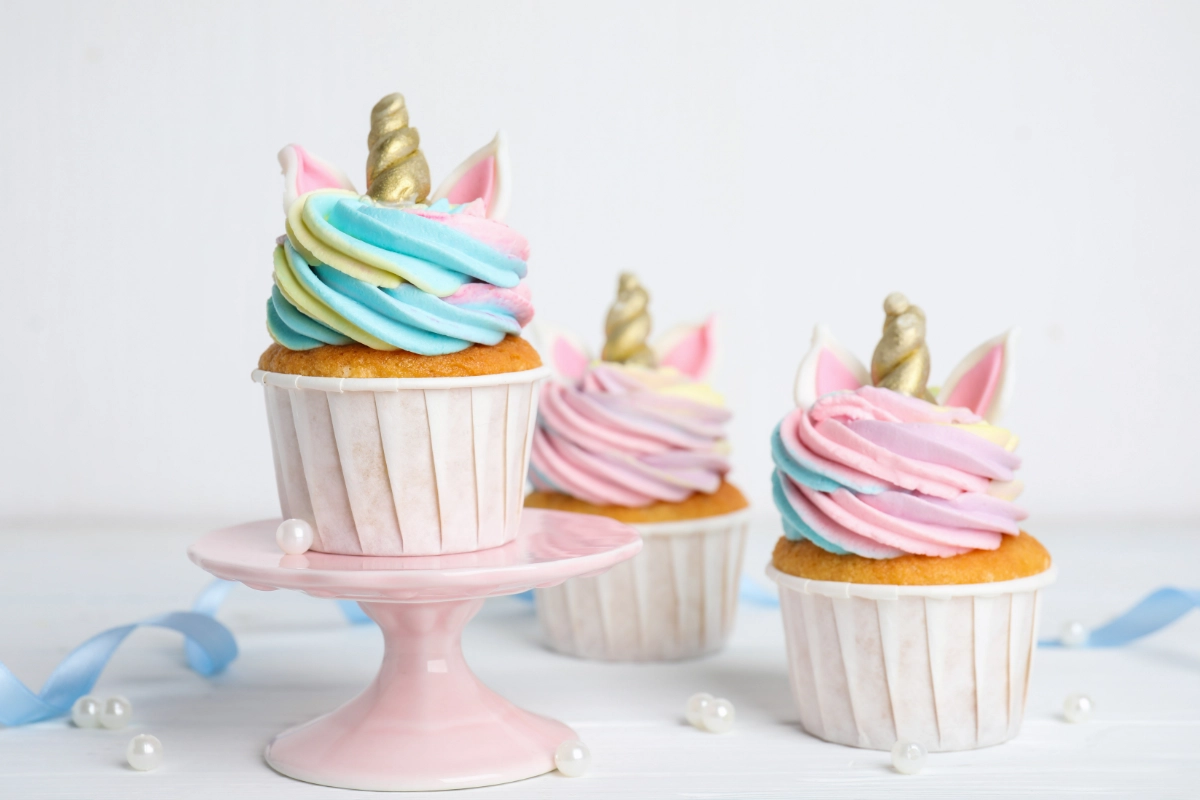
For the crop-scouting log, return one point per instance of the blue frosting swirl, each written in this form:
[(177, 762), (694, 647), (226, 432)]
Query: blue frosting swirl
[(351, 271)]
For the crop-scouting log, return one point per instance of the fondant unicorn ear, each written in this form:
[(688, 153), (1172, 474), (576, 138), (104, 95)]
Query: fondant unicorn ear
[(827, 367), (303, 172), (566, 355), (984, 380), (483, 176), (691, 349)]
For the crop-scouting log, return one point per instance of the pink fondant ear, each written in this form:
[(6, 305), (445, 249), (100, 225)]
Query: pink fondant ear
[(303, 172), (984, 380), (483, 176), (827, 367), (691, 349), (561, 351), (568, 359)]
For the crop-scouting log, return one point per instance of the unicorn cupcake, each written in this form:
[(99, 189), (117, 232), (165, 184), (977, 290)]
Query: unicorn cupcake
[(910, 594), (400, 394), (640, 437)]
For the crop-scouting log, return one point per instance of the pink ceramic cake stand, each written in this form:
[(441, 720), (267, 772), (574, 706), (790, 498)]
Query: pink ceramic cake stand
[(425, 722)]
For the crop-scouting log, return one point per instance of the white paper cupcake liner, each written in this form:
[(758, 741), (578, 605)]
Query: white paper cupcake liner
[(676, 599), (403, 466), (945, 666)]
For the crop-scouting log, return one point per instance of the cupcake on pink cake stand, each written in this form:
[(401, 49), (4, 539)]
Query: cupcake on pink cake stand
[(402, 400), (909, 591), (639, 437), (400, 395)]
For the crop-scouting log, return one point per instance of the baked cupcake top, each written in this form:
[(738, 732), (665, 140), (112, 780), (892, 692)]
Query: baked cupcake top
[(872, 464), (397, 268), (638, 427)]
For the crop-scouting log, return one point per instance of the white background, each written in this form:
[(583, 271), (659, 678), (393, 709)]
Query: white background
[(1032, 164)]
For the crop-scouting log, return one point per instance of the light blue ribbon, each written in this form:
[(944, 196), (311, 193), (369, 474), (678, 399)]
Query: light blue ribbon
[(210, 648), (1156, 611)]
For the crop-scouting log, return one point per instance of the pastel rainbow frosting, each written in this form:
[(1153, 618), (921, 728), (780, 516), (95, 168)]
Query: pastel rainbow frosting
[(629, 436), (866, 470), (428, 278), (879, 474)]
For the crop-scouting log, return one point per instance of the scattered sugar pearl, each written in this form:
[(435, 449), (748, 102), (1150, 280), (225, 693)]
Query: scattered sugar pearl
[(1074, 634), (1077, 708), (116, 713), (572, 758), (86, 712), (144, 752), (718, 715), (908, 757), (695, 708), (294, 536)]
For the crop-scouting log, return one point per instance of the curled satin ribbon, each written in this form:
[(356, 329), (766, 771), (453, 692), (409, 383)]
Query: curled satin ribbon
[(210, 648), (1154, 612)]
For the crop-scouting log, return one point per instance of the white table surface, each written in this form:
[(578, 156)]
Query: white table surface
[(62, 583)]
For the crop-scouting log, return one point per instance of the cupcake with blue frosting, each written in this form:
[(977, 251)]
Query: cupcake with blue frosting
[(400, 392)]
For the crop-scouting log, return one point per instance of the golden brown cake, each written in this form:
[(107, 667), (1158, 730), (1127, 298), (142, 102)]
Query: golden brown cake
[(513, 354), (727, 499), (1016, 557)]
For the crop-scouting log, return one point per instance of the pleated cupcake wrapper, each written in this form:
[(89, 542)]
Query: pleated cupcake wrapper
[(390, 466), (676, 599), (945, 666)]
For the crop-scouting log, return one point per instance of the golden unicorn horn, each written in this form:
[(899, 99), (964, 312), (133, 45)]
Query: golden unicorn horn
[(628, 325), (396, 169), (901, 359)]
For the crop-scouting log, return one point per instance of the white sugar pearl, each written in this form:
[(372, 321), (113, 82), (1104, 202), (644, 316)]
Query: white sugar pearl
[(86, 712), (572, 758), (116, 713), (717, 716), (144, 752), (294, 536), (1077, 708), (1074, 634), (908, 757), (695, 707)]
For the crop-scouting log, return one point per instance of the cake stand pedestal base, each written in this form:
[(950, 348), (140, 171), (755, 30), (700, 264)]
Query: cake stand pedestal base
[(425, 722)]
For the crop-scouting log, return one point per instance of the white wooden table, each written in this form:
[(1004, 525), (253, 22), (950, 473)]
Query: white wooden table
[(299, 658)]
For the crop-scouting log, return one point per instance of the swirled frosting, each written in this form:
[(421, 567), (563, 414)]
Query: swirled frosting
[(629, 436), (879, 474), (427, 279)]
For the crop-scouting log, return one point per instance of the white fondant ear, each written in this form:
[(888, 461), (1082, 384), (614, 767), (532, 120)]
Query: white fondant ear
[(691, 349), (483, 176), (984, 380), (303, 173), (560, 350), (827, 367)]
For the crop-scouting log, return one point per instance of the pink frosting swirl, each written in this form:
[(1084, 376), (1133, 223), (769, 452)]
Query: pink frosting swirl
[(628, 436), (879, 474)]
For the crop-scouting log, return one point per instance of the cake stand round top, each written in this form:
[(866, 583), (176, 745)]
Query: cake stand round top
[(551, 547)]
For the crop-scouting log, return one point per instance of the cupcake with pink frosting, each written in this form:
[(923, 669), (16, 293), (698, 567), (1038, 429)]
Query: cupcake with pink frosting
[(638, 436), (909, 592)]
